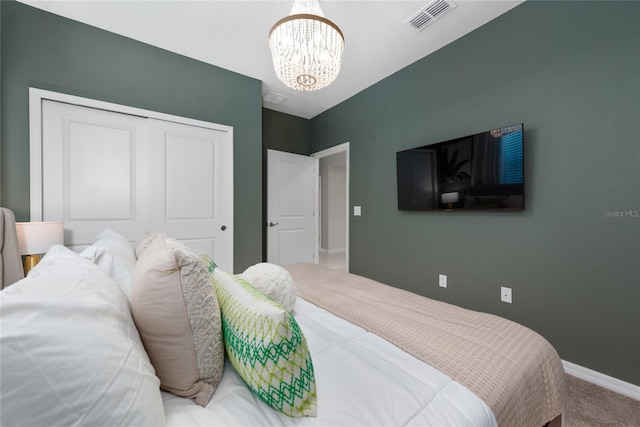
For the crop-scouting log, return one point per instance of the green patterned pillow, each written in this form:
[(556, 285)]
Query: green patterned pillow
[(266, 346)]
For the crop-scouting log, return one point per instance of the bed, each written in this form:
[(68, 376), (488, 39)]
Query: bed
[(80, 339)]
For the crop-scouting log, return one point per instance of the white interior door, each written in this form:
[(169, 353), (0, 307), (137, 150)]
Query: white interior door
[(134, 174), (189, 188), (291, 206)]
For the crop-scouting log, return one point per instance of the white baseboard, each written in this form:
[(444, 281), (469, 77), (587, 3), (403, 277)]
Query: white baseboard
[(331, 251), (602, 380)]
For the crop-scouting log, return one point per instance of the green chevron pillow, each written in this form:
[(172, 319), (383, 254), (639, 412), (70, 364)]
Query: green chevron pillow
[(266, 346)]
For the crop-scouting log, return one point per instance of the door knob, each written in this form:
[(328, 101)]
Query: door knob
[(273, 224), (224, 227)]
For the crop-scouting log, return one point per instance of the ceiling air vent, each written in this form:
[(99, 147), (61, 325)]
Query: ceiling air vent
[(429, 14), (273, 98)]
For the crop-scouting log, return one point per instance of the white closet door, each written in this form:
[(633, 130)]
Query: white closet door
[(135, 174), (191, 171), (94, 171)]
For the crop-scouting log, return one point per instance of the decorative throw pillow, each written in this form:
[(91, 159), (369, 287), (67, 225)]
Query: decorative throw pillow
[(177, 313), (266, 346), (273, 281), (115, 256), (71, 354), (146, 241)]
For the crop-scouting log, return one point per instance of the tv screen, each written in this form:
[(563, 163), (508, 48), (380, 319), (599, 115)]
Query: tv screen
[(481, 171)]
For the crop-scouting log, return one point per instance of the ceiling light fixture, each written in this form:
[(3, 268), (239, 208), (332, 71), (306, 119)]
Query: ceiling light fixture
[(306, 47)]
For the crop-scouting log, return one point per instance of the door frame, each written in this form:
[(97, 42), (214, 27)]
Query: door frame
[(36, 96), (341, 148)]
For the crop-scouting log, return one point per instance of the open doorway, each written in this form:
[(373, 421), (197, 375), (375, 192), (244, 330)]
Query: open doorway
[(333, 207)]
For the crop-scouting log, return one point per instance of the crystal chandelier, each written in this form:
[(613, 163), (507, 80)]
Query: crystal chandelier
[(306, 47)]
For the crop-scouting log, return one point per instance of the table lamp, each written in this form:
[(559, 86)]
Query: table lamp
[(35, 238), (449, 199)]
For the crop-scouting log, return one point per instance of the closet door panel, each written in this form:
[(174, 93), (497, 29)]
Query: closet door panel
[(190, 182), (98, 165), (94, 171), (101, 171)]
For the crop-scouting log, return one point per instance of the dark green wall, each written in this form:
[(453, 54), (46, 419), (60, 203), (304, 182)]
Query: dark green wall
[(571, 72), (284, 132), (46, 51)]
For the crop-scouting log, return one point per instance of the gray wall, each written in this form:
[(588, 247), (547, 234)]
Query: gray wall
[(570, 71), (46, 51)]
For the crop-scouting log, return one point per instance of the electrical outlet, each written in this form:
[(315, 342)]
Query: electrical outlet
[(442, 280), (505, 295)]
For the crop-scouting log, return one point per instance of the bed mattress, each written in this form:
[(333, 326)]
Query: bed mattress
[(361, 379), (513, 369)]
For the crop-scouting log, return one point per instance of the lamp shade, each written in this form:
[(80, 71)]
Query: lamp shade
[(450, 198), (37, 237)]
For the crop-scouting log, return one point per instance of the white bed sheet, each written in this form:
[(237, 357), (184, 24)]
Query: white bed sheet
[(361, 379)]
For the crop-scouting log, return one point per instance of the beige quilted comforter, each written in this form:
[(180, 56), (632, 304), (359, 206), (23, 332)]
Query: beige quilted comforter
[(512, 368)]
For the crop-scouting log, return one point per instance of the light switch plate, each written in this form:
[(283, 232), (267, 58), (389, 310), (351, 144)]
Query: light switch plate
[(357, 211)]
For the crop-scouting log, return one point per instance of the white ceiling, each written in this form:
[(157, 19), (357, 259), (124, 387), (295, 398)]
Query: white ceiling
[(233, 35)]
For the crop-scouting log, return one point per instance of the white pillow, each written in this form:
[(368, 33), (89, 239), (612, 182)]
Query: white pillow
[(146, 241), (115, 255), (70, 352), (273, 281)]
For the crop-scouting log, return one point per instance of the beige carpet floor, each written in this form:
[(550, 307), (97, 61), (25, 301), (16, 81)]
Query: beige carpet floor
[(589, 405)]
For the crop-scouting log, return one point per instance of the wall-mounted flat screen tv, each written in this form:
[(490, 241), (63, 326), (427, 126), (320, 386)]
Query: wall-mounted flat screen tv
[(475, 172)]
